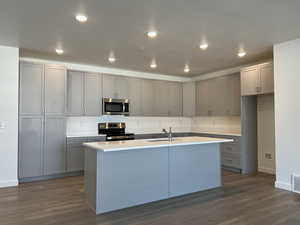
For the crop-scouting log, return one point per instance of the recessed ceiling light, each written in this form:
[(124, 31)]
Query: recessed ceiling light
[(152, 34), (186, 69), (81, 18), (59, 51), (242, 54), (111, 59), (203, 46), (153, 64)]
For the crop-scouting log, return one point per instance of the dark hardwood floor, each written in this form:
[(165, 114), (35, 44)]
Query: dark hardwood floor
[(243, 200)]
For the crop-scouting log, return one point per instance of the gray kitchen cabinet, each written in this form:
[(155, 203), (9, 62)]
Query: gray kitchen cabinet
[(115, 86), (75, 154), (267, 78), (92, 94), (203, 103), (258, 79), (148, 97), (135, 97), (31, 89), (161, 98), (175, 98), (219, 96), (189, 99), (31, 146), (75, 93), (55, 90), (250, 81), (55, 145)]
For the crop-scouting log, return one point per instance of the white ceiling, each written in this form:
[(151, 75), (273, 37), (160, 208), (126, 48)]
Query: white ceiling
[(39, 26)]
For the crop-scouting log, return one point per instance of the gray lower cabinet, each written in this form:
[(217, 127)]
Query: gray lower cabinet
[(31, 146), (31, 89), (55, 90), (55, 145)]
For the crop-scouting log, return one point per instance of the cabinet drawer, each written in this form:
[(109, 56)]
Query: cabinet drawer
[(231, 148), (231, 162)]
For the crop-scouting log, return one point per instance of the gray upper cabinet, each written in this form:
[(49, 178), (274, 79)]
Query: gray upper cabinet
[(31, 146), (148, 97), (55, 90), (161, 98), (135, 97), (93, 95), (175, 98), (75, 93), (258, 79), (55, 145), (31, 89), (84, 94), (219, 96), (189, 99), (115, 86), (267, 78)]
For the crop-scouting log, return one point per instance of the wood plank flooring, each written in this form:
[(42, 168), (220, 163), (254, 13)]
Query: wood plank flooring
[(243, 200)]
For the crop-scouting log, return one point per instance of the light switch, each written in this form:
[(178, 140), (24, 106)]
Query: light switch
[(2, 125)]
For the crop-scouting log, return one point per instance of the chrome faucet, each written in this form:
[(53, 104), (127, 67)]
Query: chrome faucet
[(168, 133)]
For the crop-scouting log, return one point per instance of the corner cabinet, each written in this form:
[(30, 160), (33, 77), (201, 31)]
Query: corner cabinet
[(219, 96), (84, 94), (258, 79)]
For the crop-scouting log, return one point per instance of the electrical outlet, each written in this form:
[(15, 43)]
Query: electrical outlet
[(268, 155)]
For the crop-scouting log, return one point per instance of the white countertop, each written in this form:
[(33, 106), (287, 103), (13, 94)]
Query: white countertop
[(219, 133), (74, 135), (151, 143)]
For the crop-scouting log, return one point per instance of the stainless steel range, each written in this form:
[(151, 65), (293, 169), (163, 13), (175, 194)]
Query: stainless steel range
[(114, 131)]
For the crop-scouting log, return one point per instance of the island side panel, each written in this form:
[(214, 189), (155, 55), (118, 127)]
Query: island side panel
[(91, 177), (133, 177), (194, 168)]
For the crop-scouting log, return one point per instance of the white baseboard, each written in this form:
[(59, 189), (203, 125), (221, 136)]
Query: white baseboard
[(283, 185), (266, 170), (9, 183)]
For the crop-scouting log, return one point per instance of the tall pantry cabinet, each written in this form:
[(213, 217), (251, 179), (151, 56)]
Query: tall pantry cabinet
[(42, 135)]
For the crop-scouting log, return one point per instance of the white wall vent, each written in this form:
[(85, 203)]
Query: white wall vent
[(296, 183)]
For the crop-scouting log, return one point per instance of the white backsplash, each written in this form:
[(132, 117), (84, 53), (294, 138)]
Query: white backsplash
[(143, 125)]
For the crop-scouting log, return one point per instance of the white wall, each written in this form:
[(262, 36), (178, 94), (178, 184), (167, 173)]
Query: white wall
[(266, 133), (9, 69), (287, 111)]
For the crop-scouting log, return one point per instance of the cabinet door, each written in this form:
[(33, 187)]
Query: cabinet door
[(93, 96), (267, 78), (135, 97), (175, 99), (30, 147), (161, 98), (235, 93), (55, 145), (115, 86), (250, 81), (55, 90), (202, 99), (75, 91), (75, 159), (189, 99), (31, 89), (148, 97)]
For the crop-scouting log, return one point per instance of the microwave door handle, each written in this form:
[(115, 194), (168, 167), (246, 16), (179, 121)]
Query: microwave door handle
[(123, 107)]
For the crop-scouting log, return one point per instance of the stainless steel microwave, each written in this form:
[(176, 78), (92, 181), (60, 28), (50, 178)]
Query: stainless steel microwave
[(112, 106)]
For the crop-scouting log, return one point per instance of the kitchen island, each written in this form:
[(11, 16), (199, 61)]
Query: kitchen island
[(122, 174)]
